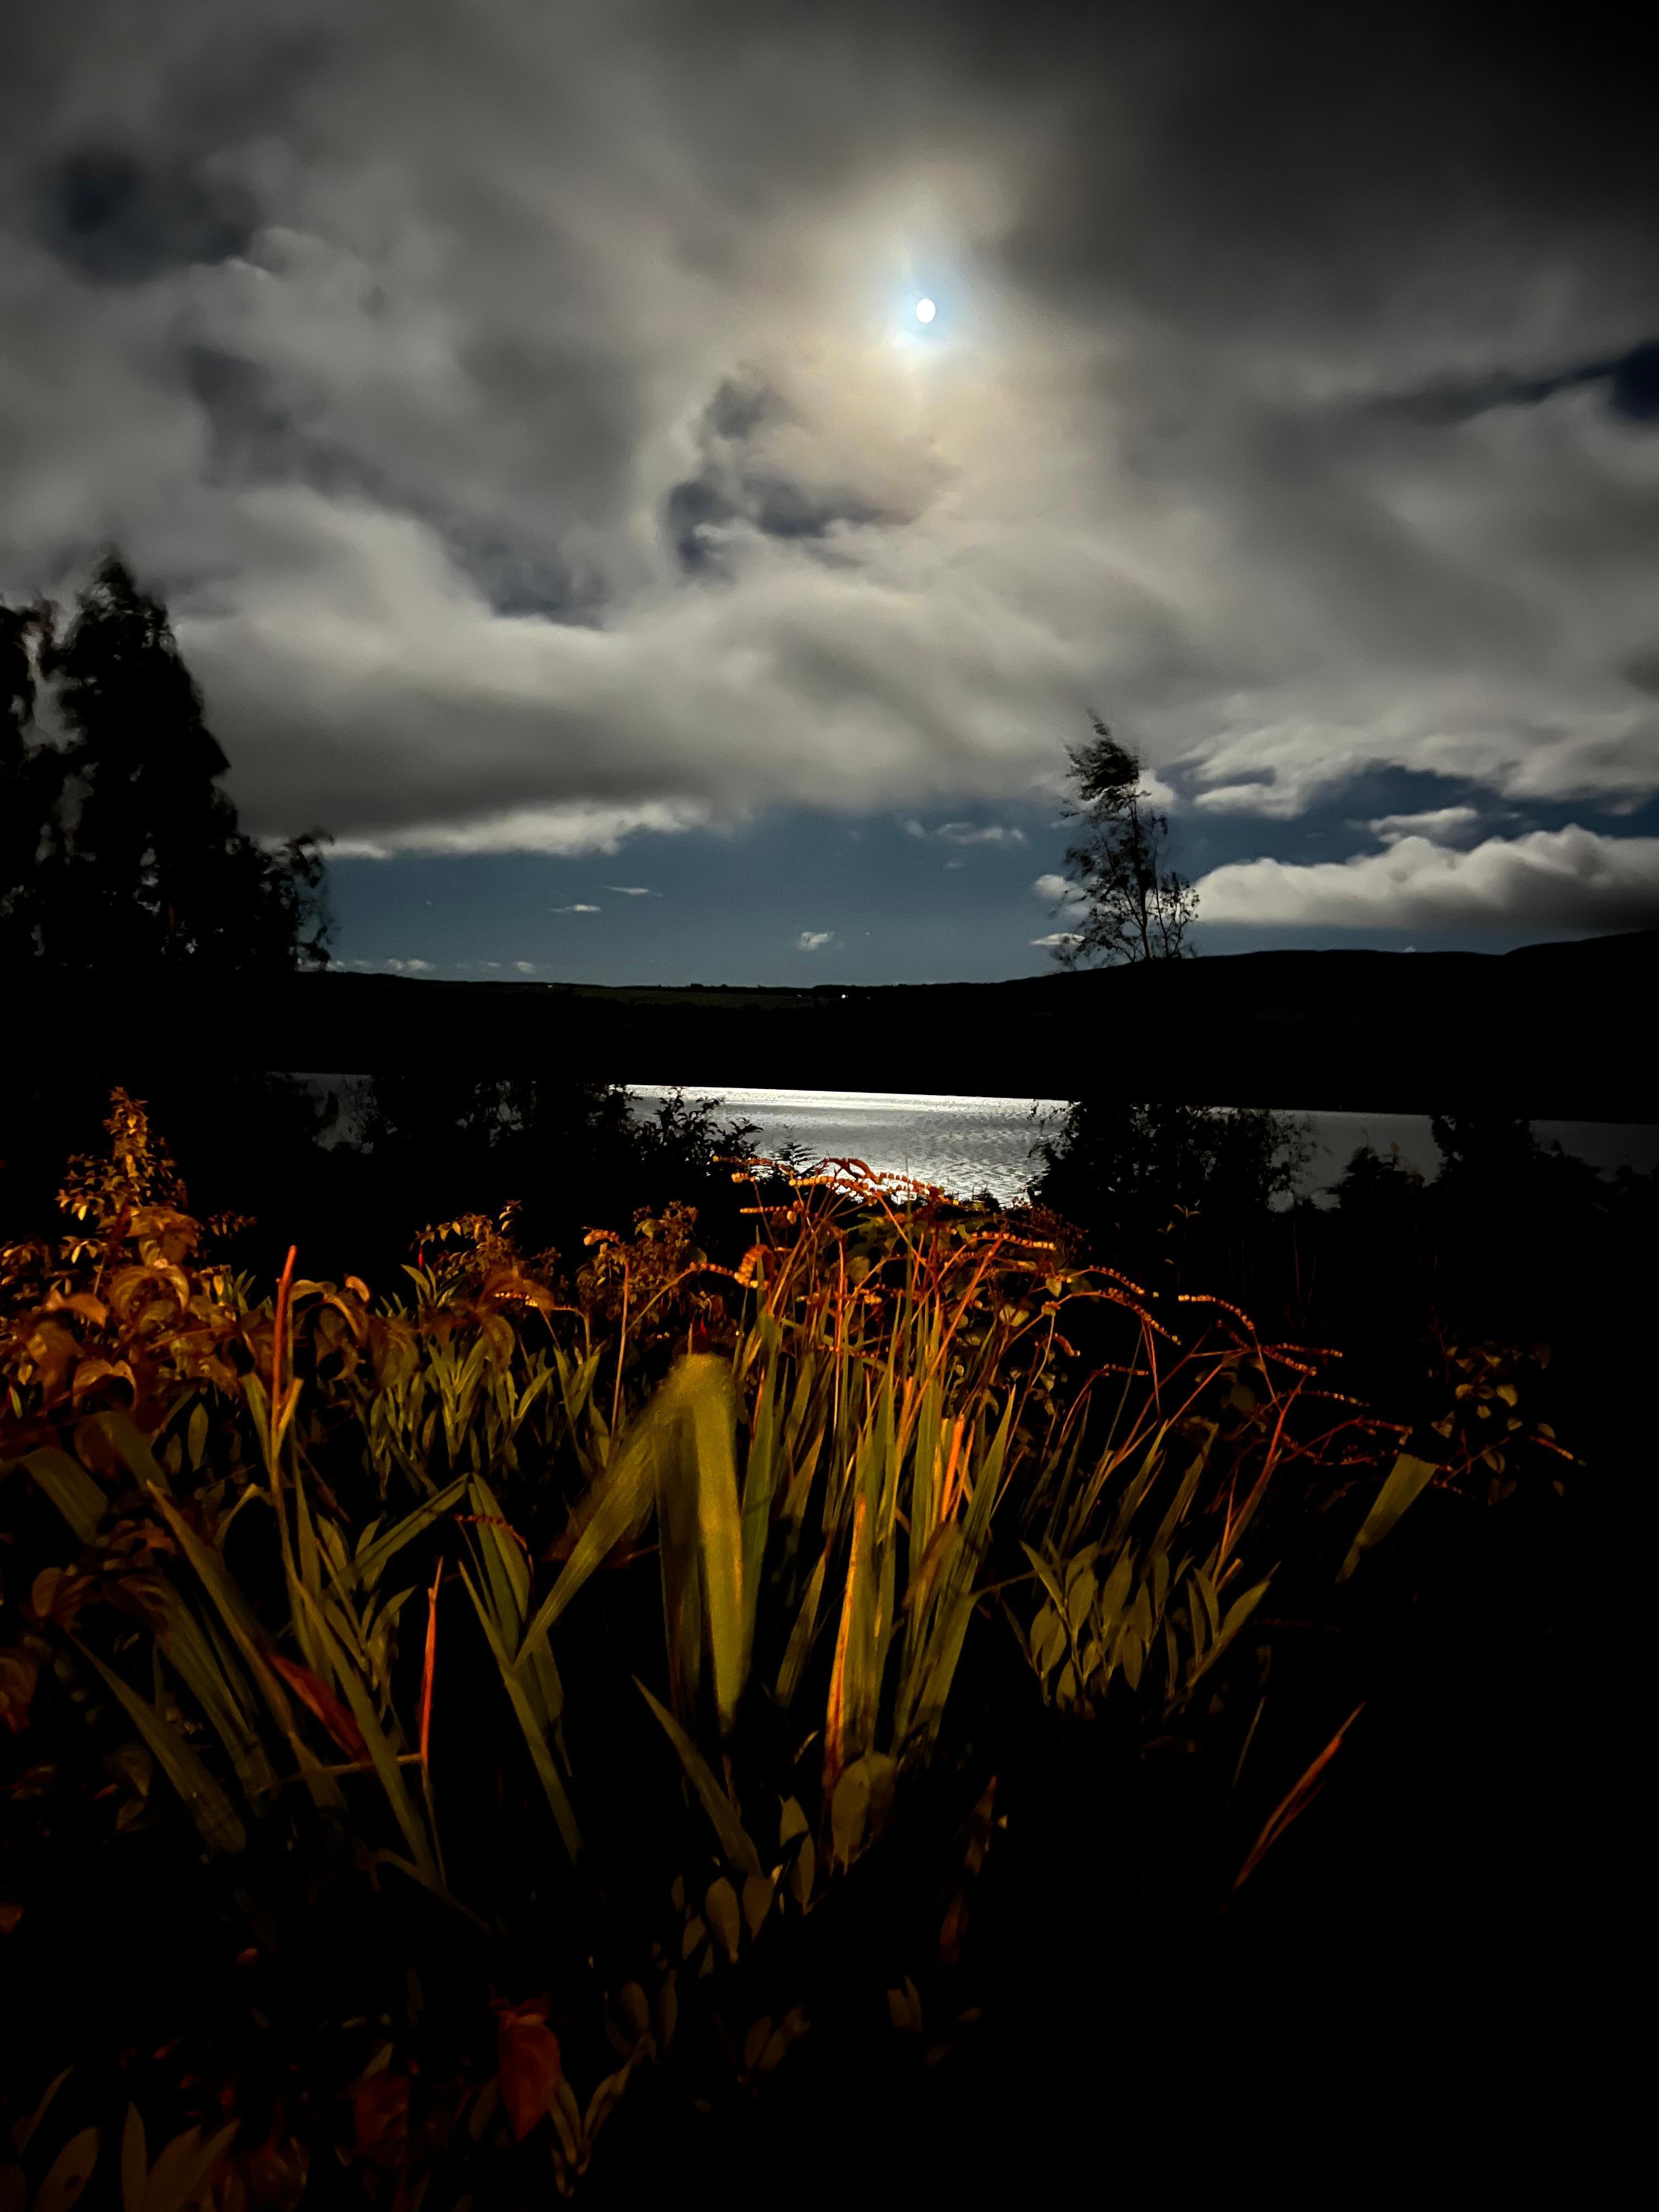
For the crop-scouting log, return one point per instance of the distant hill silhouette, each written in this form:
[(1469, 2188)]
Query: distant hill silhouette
[(1561, 1030)]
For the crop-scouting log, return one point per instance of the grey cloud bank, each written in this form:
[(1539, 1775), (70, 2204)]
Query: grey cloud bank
[(524, 412), (1555, 877)]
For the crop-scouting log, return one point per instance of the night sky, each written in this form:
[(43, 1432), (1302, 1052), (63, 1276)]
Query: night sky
[(523, 410)]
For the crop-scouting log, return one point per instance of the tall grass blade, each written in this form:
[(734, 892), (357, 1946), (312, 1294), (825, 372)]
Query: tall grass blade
[(616, 1511), (722, 1813), (1295, 1802), (1407, 1480), (706, 1389), (533, 1723), (800, 1635), (382, 1754), (207, 1803), (854, 1683), (68, 1485)]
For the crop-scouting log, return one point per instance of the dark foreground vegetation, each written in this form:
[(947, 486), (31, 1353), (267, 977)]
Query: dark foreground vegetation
[(844, 1689)]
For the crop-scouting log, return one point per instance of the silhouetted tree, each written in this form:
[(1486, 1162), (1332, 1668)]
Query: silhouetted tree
[(125, 853), (31, 777), (1133, 907)]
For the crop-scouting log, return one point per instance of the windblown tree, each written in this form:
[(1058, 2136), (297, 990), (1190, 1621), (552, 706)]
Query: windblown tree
[(123, 851), (1129, 904)]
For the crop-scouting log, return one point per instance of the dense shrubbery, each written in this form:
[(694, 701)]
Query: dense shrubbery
[(349, 1177), (464, 1735), (1513, 1244)]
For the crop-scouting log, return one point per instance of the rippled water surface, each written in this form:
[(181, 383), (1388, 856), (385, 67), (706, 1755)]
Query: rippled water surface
[(969, 1144), (965, 1144)]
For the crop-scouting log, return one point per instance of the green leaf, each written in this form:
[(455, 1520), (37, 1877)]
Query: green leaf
[(132, 1449), (1184, 1497), (381, 1753), (1206, 1589), (617, 1506), (1079, 1595), (533, 1724), (368, 1562), (1237, 1614), (1116, 1590), (855, 1679), (66, 1483), (1407, 1480), (209, 1806), (1047, 1576), (706, 1386), (22, 2132), (250, 1639), (213, 1679), (1048, 1641), (757, 1894), (135, 2162), (183, 2167), (759, 1484), (69, 2172), (722, 1814), (802, 1872), (849, 1812), (800, 1635)]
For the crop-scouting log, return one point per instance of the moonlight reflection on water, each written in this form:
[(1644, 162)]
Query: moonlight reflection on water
[(970, 1145), (967, 1144)]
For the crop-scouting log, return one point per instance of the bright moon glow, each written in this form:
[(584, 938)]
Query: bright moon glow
[(925, 311)]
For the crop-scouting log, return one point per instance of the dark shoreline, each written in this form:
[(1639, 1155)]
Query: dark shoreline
[(1551, 1031)]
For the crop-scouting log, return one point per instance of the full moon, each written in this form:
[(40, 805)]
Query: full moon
[(925, 311)]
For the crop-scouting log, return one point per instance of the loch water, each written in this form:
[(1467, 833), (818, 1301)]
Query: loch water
[(968, 1144)]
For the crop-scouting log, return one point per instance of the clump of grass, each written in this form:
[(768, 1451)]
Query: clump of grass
[(576, 1648)]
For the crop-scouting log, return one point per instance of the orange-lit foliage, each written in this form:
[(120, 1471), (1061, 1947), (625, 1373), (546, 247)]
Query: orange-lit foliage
[(286, 1564)]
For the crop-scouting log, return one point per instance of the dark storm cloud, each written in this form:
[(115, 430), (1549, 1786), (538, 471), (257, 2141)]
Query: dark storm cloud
[(735, 490), (1630, 383), (115, 217), (524, 408), (1344, 170)]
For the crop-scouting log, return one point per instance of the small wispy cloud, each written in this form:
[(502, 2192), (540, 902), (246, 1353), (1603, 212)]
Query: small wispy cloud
[(403, 967), (564, 831), (581, 906), (632, 890), (813, 940), (1058, 891), (1443, 824), (1278, 801), (525, 967), (1058, 937), (1001, 833)]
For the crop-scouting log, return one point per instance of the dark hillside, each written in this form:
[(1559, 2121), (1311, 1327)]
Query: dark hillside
[(1553, 1031)]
